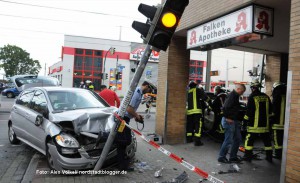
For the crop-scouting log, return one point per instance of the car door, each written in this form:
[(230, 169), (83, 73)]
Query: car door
[(39, 108), (19, 114)]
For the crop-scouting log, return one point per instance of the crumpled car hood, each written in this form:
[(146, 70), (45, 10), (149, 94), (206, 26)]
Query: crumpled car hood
[(87, 120)]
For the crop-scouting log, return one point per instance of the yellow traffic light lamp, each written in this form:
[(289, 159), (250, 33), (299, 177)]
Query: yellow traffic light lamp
[(169, 20), (161, 23)]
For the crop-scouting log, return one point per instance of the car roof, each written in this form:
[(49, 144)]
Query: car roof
[(56, 88)]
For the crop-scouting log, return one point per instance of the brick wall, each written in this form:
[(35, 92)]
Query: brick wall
[(172, 73), (293, 149), (272, 71)]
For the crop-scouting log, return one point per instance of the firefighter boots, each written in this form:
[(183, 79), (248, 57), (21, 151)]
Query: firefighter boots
[(278, 154), (248, 156), (269, 156)]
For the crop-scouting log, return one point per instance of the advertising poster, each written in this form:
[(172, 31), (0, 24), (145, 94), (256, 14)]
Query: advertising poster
[(112, 79)]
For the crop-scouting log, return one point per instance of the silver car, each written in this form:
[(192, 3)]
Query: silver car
[(64, 124)]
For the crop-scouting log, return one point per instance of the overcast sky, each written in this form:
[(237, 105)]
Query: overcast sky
[(40, 31)]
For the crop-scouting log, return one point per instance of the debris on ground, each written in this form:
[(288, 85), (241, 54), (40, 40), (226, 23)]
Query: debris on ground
[(142, 166), (158, 173), (202, 180), (233, 168), (180, 179)]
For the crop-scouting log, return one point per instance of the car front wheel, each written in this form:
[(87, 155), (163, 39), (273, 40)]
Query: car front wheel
[(10, 95), (12, 136), (50, 161)]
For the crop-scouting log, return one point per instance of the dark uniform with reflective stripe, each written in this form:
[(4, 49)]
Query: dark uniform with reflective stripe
[(259, 111), (217, 106), (194, 114), (278, 103)]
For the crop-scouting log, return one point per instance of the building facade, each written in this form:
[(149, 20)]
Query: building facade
[(269, 27), (99, 60)]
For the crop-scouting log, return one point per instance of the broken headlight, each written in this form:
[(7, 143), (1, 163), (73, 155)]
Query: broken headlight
[(65, 140)]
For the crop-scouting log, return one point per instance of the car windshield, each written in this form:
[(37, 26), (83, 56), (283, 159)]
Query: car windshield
[(72, 100)]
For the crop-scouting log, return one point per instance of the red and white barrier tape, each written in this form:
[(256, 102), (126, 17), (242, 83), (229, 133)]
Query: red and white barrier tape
[(175, 157)]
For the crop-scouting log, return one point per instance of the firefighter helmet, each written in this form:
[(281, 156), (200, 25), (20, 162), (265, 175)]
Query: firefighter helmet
[(277, 84), (217, 88), (255, 84), (192, 84)]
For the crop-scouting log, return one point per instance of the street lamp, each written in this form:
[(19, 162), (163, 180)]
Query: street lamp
[(112, 51), (227, 68)]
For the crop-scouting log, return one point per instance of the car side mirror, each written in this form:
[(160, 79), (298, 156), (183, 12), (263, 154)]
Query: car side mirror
[(46, 113), (39, 120)]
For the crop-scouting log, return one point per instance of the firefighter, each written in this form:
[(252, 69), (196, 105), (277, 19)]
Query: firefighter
[(217, 105), (259, 110), (194, 113), (278, 104), (89, 85)]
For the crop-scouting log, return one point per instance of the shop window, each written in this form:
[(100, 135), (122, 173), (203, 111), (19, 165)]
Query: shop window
[(76, 82), (199, 70), (78, 62), (88, 73), (192, 70), (79, 51), (97, 74), (97, 63), (89, 52), (98, 53), (77, 73), (97, 84), (88, 63)]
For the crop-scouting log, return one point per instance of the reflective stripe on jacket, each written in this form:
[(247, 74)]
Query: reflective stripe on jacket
[(259, 110), (195, 95), (279, 109)]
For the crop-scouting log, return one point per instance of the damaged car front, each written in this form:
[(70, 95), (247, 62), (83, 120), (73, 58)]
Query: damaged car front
[(76, 126)]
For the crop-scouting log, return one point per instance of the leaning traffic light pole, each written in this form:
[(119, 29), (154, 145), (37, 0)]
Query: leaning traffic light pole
[(157, 33)]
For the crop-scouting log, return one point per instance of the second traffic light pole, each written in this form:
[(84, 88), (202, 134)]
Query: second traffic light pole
[(122, 110)]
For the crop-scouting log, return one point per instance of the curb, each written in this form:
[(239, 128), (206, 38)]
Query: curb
[(30, 171), (4, 111)]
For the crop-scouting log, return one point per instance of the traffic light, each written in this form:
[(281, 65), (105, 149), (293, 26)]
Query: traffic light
[(167, 23), (106, 75), (118, 75), (161, 25), (144, 28)]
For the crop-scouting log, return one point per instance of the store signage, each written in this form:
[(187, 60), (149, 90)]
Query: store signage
[(58, 69), (214, 73), (137, 53), (241, 22), (263, 20)]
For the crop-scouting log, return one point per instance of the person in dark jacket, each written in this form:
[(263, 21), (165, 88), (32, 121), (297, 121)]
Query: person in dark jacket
[(259, 111), (217, 106), (231, 125)]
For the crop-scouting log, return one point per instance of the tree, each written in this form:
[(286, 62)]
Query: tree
[(16, 61)]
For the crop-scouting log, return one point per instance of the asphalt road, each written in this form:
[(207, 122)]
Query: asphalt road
[(14, 159)]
